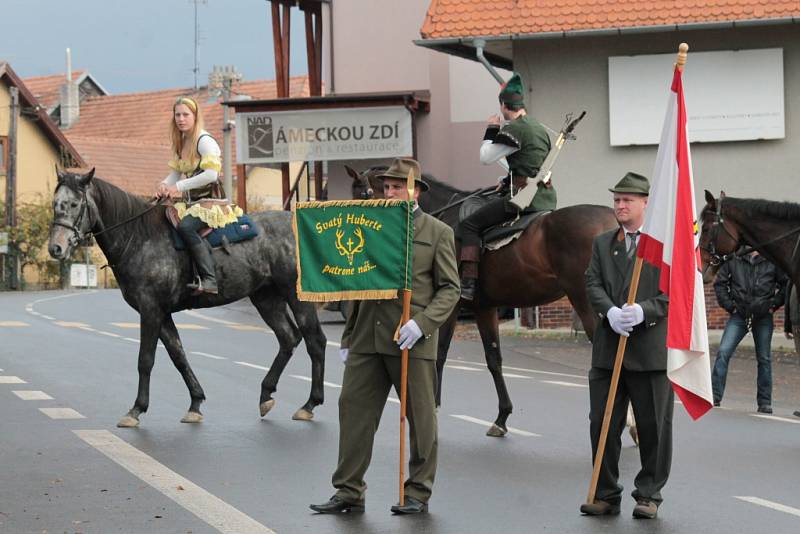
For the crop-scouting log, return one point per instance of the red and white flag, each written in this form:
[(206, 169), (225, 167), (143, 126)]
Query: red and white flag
[(669, 241)]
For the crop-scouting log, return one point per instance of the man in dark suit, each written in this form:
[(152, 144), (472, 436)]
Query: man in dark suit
[(643, 380), (372, 360)]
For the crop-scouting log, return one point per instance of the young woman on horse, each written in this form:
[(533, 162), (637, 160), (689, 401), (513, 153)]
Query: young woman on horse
[(195, 177), (524, 143)]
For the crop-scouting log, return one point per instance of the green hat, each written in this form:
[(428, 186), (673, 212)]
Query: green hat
[(632, 183), (512, 92), (400, 168)]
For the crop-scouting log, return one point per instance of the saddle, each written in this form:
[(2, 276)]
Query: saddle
[(500, 235), (241, 230)]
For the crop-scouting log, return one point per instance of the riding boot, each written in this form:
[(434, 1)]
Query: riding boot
[(470, 256), (204, 262)]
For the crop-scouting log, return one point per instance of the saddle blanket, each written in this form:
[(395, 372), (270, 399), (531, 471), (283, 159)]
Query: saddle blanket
[(241, 230), (500, 235)]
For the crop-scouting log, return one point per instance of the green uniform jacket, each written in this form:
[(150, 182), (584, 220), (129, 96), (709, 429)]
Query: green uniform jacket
[(435, 292), (608, 279)]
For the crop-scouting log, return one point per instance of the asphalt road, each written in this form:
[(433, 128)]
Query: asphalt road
[(71, 470)]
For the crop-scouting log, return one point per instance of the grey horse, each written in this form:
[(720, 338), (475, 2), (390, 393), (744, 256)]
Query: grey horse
[(152, 275)]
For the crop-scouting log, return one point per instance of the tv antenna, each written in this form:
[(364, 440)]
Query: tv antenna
[(196, 68)]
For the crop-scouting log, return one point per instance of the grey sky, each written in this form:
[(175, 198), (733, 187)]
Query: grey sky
[(143, 45)]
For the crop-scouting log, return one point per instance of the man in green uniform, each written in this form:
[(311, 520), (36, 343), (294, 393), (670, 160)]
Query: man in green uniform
[(524, 144), (372, 361), (643, 380)]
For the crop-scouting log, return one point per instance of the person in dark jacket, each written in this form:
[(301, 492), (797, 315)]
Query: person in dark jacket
[(750, 288), (791, 322)]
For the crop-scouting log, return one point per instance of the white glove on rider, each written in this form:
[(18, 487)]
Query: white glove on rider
[(632, 315), (615, 319), (410, 333), (343, 354)]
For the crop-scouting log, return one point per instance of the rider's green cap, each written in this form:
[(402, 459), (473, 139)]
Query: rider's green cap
[(512, 92), (632, 183), (400, 168)]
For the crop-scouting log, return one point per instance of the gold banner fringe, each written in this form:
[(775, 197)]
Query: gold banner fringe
[(369, 294), (379, 202)]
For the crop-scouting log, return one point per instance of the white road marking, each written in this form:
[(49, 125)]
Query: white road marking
[(109, 334), (61, 413), (512, 375), (334, 344), (71, 324), (131, 339), (776, 418), (462, 368), (126, 325), (212, 356), (87, 328), (6, 379), (568, 384), (250, 328), (66, 296), (394, 400), (29, 394), (211, 509), (551, 373), (13, 323), (308, 379), (190, 326), (47, 317), (207, 318), (769, 504), (254, 366), (511, 430)]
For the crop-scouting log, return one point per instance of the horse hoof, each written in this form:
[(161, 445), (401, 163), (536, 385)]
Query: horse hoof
[(192, 417), (496, 432), (128, 422), (266, 406), (303, 415)]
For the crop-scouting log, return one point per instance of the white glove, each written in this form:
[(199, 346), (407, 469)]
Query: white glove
[(615, 319), (409, 334), (343, 353), (633, 314)]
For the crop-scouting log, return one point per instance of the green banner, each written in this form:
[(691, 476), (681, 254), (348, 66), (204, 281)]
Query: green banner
[(353, 249)]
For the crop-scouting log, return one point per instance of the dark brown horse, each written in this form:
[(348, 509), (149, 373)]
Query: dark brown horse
[(772, 228), (545, 263)]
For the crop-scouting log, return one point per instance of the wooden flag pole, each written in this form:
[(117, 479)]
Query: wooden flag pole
[(406, 316), (612, 390)]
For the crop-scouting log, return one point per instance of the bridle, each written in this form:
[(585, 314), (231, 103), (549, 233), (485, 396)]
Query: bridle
[(367, 192)]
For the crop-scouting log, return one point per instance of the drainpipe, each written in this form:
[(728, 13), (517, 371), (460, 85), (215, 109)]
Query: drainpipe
[(479, 45)]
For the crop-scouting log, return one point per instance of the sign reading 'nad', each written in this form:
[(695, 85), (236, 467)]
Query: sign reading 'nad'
[(323, 135)]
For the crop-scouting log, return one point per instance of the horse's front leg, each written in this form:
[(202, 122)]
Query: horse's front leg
[(149, 328), (172, 341), (488, 326), (445, 338)]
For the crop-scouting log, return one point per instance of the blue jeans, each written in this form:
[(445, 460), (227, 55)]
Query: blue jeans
[(735, 330)]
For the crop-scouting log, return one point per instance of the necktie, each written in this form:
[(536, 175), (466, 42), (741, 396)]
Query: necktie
[(632, 236)]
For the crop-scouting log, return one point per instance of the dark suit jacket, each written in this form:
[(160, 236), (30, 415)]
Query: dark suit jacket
[(608, 280), (435, 292)]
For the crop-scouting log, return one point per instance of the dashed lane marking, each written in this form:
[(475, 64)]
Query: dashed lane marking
[(249, 328), (776, 418), (207, 355), (109, 334), (511, 430), (506, 367), (61, 413), (190, 326), (29, 394), (769, 504), (308, 379), (567, 384), (71, 324), (254, 366), (131, 339), (208, 507), (462, 368), (207, 318), (13, 324), (6, 379), (512, 375), (126, 325), (334, 344)]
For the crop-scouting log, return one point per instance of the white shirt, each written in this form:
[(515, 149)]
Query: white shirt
[(206, 146)]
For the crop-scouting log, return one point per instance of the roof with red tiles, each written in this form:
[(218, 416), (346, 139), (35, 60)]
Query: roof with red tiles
[(491, 18), (46, 88), (43, 121)]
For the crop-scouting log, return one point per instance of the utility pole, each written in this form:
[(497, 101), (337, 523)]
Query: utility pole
[(11, 190), (220, 83)]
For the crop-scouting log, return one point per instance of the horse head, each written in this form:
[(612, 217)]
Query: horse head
[(73, 213), (719, 238), (366, 185)]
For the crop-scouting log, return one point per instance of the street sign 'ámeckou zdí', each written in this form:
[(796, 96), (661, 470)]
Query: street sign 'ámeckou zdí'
[(353, 249)]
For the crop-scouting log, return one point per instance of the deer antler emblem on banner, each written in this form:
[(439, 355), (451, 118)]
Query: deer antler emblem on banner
[(352, 248)]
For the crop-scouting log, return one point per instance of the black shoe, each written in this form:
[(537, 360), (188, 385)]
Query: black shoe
[(797, 413), (717, 403), (765, 408), (412, 506), (600, 507), (337, 505), (468, 286)]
